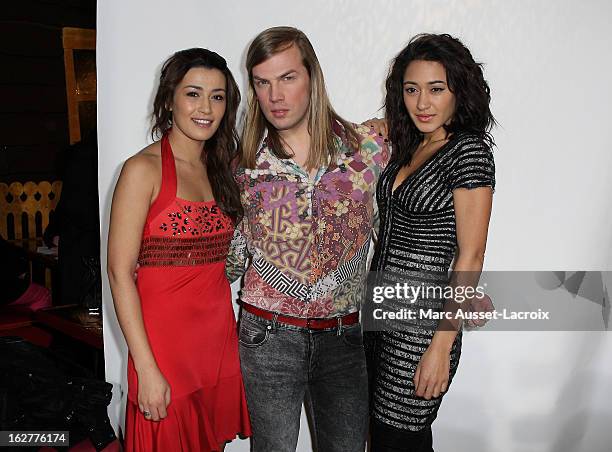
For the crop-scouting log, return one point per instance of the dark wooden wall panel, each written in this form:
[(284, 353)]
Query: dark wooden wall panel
[(30, 39), (33, 111), (27, 70), (43, 160), (33, 128), (59, 13), (32, 98)]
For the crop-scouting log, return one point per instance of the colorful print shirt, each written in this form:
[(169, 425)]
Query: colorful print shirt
[(307, 238)]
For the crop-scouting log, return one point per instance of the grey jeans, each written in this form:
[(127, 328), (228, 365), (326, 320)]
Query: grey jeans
[(284, 365)]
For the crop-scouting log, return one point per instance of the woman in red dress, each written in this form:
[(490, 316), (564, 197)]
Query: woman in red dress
[(173, 214)]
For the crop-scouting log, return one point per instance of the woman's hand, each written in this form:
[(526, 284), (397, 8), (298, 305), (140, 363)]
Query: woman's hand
[(431, 376), (379, 126), (153, 394)]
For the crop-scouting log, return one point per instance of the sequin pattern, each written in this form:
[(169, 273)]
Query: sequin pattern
[(171, 251), (188, 233), (194, 220), (418, 238)]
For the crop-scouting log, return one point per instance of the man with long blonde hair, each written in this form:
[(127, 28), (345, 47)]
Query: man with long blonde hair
[(307, 178)]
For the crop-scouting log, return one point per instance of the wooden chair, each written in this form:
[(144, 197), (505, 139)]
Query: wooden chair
[(26, 208)]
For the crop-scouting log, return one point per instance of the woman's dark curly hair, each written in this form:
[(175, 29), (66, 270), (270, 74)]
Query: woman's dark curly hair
[(465, 80), (222, 149)]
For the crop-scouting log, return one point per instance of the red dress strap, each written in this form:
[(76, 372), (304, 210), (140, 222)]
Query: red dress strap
[(167, 191)]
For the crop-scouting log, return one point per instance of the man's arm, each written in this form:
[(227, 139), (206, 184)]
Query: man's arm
[(235, 264)]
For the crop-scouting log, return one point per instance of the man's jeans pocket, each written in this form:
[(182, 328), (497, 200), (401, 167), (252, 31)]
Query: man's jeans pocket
[(252, 333), (352, 336)]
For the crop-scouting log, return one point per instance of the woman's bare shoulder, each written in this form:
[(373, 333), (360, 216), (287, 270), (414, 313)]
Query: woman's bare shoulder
[(145, 163)]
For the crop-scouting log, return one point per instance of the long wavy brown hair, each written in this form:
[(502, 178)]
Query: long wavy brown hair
[(223, 148), (465, 80), (321, 115)]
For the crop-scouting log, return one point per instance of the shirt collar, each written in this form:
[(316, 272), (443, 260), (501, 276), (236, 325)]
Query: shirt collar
[(266, 160)]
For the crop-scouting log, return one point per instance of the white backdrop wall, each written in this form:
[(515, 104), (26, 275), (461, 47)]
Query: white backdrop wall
[(548, 66)]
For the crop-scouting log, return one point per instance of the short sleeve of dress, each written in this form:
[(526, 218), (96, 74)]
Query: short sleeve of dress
[(472, 165)]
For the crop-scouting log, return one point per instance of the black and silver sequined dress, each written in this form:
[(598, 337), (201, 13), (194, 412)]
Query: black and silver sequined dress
[(417, 240)]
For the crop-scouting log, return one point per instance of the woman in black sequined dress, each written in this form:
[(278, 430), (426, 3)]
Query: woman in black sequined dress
[(434, 201)]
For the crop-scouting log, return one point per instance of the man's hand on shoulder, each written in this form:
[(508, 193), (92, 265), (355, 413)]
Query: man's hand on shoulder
[(379, 126)]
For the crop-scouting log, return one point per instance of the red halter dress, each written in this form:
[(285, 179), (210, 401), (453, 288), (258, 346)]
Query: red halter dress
[(189, 321)]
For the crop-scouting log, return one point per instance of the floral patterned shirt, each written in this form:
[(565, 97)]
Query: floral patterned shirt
[(307, 238)]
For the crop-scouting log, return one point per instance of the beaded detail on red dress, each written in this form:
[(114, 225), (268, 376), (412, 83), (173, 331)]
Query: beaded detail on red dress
[(166, 251), (189, 233), (194, 218), (179, 232)]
